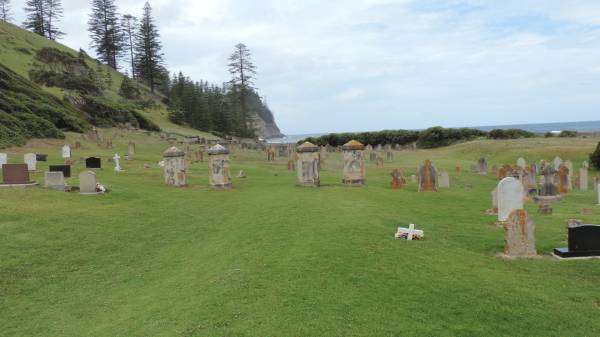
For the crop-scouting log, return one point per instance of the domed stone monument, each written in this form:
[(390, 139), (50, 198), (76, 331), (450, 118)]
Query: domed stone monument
[(175, 170), (354, 164), (307, 167), (219, 167)]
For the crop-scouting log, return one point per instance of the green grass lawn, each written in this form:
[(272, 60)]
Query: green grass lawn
[(271, 259)]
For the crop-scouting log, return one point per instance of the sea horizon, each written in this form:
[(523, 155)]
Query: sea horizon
[(581, 126)]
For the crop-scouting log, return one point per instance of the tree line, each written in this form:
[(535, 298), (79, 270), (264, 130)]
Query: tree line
[(230, 108)]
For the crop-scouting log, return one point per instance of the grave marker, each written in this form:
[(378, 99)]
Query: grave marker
[(510, 197), (174, 167), (307, 169), (427, 177), (519, 235), (65, 169), (354, 166), (30, 160), (54, 180), (219, 167)]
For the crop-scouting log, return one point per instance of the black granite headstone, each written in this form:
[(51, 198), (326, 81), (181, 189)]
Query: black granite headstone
[(93, 163), (65, 169), (41, 157), (584, 241)]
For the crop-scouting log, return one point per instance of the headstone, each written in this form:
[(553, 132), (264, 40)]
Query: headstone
[(427, 177), (66, 151), (413, 179), (41, 157), (65, 169), (354, 166), (174, 167), (584, 241), (30, 160), (93, 163), (585, 165), (568, 164), (15, 174), (583, 179), (397, 179), (557, 162), (482, 166), (510, 197), (380, 162), (519, 235), (521, 163), (549, 187), (372, 156), (389, 155), (117, 161), (563, 179), (307, 168), (219, 167), (3, 159), (88, 183), (444, 180), (54, 180), (131, 149)]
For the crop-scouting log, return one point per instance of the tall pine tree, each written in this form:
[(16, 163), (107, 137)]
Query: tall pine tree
[(105, 31), (243, 73), (35, 19), (53, 13), (5, 11), (148, 55), (128, 24)]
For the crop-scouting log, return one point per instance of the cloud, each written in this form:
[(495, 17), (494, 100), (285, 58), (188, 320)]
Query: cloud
[(346, 65)]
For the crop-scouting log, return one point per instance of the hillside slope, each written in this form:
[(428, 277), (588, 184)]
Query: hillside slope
[(47, 88)]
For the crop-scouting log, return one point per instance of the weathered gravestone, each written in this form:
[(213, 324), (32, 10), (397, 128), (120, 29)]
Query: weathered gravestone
[(131, 149), (372, 156), (16, 175), (174, 167), (482, 166), (41, 157), (563, 179), (510, 197), (549, 187), (354, 166), (583, 179), (219, 167), (65, 169), (93, 163), (397, 179), (427, 177), (88, 183), (557, 162), (521, 163), (584, 241), (3, 159), (54, 180), (569, 165), (307, 168), (389, 155), (30, 160), (519, 235), (66, 151), (414, 179), (444, 180)]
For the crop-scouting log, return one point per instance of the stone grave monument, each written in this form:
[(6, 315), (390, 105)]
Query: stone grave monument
[(354, 166), (519, 235), (307, 168), (174, 167), (427, 177), (31, 161), (510, 197), (219, 167), (54, 180)]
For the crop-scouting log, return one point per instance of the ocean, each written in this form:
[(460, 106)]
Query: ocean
[(585, 127)]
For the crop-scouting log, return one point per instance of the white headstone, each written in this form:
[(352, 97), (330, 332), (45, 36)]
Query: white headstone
[(66, 151), (521, 163), (54, 180), (583, 179), (116, 158), (3, 159), (31, 161), (557, 163), (510, 197), (444, 180)]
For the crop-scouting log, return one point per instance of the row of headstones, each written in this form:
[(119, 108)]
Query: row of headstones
[(175, 170), (18, 175), (584, 240)]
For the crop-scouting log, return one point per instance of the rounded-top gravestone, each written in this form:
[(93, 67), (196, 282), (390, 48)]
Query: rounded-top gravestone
[(510, 197), (219, 166)]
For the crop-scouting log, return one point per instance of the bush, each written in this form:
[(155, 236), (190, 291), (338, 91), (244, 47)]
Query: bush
[(129, 90), (104, 113), (568, 134), (509, 134), (548, 134), (595, 158)]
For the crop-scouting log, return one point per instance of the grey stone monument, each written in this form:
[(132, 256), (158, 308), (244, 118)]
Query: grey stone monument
[(354, 164), (307, 166), (54, 180), (174, 169), (219, 167)]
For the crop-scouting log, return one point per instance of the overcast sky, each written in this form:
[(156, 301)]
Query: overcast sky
[(356, 65)]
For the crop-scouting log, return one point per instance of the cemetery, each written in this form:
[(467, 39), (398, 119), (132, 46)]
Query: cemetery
[(183, 241)]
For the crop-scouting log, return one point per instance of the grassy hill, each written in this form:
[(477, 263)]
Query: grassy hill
[(271, 259), (58, 108)]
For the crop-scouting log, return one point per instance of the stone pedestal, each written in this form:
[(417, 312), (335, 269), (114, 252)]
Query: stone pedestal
[(219, 167), (307, 167), (354, 164), (175, 170)]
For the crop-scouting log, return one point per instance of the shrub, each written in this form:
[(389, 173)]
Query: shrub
[(568, 134), (509, 134), (595, 158), (129, 90), (548, 134)]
